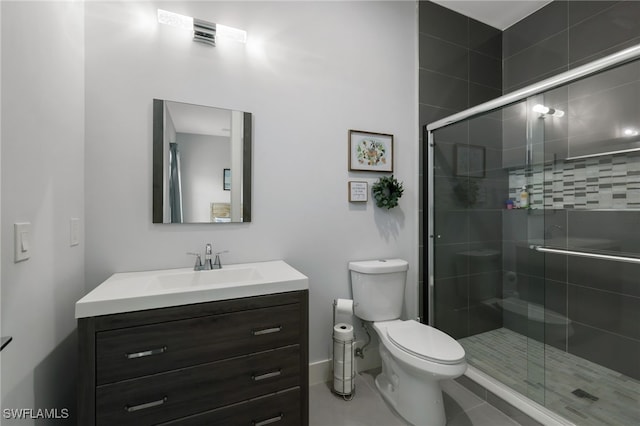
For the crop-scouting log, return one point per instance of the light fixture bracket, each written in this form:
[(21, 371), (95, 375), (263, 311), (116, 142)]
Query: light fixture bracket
[(204, 31)]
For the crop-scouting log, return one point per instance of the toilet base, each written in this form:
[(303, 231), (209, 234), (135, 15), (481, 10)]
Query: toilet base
[(416, 397)]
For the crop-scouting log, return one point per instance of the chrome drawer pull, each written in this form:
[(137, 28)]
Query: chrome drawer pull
[(150, 352), (266, 375), (266, 331), (268, 421), (132, 408)]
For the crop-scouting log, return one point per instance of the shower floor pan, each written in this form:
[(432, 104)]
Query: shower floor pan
[(578, 390)]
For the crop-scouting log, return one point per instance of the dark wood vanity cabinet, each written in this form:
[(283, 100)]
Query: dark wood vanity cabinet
[(231, 362)]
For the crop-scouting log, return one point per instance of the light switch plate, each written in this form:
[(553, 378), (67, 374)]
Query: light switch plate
[(22, 241)]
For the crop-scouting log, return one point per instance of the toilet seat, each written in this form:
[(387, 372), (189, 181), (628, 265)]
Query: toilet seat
[(425, 342)]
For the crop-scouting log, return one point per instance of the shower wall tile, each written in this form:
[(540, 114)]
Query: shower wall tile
[(438, 21), (441, 56), (452, 226), (443, 158), (485, 225), (593, 29), (443, 91), (579, 10), (485, 39), (611, 182), (450, 47), (610, 350), (486, 131), (548, 56), (594, 308), (448, 261), (538, 26), (617, 231), (452, 315), (455, 133), (555, 296), (616, 277), (430, 113), (485, 70), (483, 318), (479, 94), (606, 29)]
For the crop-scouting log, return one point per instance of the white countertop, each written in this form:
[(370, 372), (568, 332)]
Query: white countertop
[(135, 291)]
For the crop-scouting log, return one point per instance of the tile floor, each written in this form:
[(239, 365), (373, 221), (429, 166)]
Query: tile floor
[(549, 376), (368, 408)]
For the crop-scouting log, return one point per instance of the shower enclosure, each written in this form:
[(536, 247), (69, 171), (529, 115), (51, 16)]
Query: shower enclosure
[(534, 240)]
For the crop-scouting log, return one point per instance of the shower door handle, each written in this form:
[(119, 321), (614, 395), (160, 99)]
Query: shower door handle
[(613, 258)]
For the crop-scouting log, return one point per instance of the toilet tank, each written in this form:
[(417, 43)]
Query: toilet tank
[(378, 288)]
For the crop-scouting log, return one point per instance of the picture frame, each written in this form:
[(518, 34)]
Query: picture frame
[(470, 161), (358, 192), (226, 179), (369, 151)]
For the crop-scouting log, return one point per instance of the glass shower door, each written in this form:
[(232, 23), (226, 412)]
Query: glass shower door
[(485, 276)]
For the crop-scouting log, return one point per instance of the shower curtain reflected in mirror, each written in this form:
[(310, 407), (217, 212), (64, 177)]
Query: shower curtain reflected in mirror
[(175, 185)]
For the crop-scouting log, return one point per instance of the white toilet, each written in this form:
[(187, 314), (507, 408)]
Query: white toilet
[(415, 357)]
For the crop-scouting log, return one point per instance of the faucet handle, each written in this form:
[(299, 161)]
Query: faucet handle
[(198, 265), (217, 264)]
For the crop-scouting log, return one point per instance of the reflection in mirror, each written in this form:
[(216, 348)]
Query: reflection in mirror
[(201, 164)]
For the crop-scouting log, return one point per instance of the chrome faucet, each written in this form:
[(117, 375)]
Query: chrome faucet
[(207, 258), (208, 264)]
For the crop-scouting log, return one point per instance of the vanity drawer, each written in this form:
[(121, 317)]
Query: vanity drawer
[(281, 409), (180, 393), (138, 351)]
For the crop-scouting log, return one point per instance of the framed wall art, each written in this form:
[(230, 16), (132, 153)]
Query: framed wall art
[(370, 151), (358, 192)]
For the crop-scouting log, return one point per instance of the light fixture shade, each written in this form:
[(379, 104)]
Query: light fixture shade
[(175, 19), (540, 108), (203, 31), (231, 33)]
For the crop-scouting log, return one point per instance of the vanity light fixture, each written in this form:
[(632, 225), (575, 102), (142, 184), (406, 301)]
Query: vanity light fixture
[(203, 31), (630, 131), (545, 110)]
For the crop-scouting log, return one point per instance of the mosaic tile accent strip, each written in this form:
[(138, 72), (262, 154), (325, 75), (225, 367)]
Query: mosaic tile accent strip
[(608, 182), (549, 376)]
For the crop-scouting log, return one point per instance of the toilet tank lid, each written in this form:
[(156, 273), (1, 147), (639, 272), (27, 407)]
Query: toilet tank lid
[(380, 266)]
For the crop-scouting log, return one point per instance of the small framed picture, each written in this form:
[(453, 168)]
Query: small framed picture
[(470, 161), (370, 151), (358, 192), (226, 179)]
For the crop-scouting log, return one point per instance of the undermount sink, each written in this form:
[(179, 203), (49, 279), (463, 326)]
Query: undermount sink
[(135, 291), (204, 278)]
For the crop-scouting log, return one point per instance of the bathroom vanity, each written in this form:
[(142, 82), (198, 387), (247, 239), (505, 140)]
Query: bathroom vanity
[(225, 347)]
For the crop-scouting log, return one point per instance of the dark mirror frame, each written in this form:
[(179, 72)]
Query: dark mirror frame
[(159, 161)]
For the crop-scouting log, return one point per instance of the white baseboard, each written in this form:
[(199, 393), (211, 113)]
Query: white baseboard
[(322, 371)]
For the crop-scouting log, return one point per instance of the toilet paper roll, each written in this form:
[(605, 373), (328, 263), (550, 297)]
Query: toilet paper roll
[(344, 307), (343, 332), (343, 387), (342, 351)]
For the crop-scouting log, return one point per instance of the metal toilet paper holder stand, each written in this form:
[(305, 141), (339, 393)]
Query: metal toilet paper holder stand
[(346, 354)]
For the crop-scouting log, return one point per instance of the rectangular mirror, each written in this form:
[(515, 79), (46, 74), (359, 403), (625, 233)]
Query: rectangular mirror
[(201, 164)]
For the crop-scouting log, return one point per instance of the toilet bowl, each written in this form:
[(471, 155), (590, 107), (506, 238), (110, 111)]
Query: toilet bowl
[(415, 357)]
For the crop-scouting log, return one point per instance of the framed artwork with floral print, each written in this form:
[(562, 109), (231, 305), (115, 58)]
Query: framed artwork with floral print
[(370, 151)]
